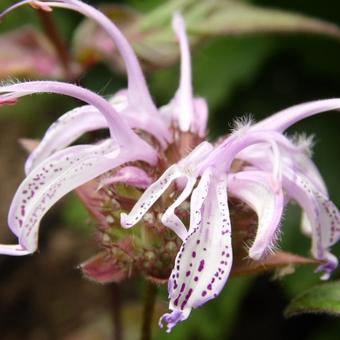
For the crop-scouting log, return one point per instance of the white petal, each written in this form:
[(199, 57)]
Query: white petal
[(198, 197), (187, 167), (67, 129), (204, 261), (282, 120), (323, 217), (183, 108), (55, 177), (254, 188), (149, 197), (170, 219)]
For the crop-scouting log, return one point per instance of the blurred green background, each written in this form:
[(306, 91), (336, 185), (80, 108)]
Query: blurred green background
[(44, 296)]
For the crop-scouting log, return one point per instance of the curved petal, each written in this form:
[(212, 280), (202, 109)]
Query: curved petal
[(53, 178), (189, 113), (73, 124), (230, 149), (139, 94), (291, 160), (68, 128), (139, 98), (282, 120), (254, 188), (169, 218), (119, 129), (187, 167), (323, 217), (149, 197), (199, 195), (183, 108), (204, 261)]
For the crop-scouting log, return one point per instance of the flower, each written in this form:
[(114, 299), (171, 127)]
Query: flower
[(162, 152)]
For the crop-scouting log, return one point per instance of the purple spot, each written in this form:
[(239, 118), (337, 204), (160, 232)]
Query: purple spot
[(176, 301), (188, 273), (182, 287), (193, 254), (204, 293), (201, 266)]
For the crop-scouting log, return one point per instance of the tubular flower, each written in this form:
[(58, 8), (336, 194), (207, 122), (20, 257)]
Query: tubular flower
[(182, 182)]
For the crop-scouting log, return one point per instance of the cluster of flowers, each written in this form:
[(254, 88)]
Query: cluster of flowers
[(273, 170)]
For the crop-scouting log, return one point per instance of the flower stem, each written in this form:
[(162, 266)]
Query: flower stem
[(55, 38), (148, 310), (116, 307)]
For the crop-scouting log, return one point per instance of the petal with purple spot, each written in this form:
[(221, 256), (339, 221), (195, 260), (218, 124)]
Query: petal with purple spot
[(204, 261), (55, 177)]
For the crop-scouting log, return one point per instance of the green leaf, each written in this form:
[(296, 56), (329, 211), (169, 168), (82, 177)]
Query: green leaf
[(324, 298), (154, 41), (218, 68), (234, 17)]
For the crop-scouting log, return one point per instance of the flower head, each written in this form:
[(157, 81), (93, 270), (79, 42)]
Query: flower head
[(182, 182)]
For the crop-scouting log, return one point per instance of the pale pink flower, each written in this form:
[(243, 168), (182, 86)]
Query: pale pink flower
[(274, 170)]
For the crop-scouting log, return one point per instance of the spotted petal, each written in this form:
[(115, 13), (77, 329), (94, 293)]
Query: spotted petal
[(170, 219), (204, 261), (52, 179), (255, 189), (186, 168), (64, 132), (294, 158), (323, 217)]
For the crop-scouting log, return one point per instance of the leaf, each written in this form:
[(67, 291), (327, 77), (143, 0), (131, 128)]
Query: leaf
[(323, 298), (155, 44), (218, 68), (26, 52), (234, 17)]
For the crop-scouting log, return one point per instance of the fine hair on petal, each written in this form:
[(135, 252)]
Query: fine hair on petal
[(241, 124)]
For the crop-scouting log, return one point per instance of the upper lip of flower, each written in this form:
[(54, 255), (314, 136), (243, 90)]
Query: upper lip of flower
[(275, 171)]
